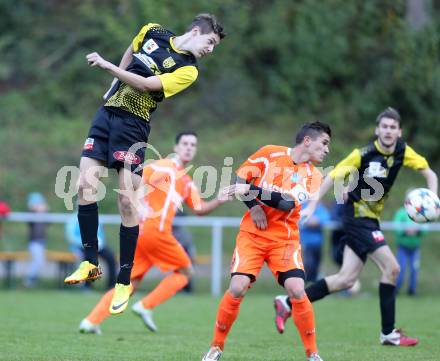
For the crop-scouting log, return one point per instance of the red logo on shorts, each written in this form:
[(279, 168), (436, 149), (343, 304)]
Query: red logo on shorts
[(378, 236), (88, 145), (128, 157)]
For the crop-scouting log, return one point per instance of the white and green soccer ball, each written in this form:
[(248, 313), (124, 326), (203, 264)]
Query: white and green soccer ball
[(422, 205)]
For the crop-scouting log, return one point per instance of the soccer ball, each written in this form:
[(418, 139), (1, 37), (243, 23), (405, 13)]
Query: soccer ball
[(422, 205)]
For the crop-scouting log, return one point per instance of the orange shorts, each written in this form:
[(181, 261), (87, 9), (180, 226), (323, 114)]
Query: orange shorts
[(251, 251), (158, 249)]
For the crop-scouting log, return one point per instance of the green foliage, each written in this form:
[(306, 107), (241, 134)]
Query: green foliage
[(282, 63)]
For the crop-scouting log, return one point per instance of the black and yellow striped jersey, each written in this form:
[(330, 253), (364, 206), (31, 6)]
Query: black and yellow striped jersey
[(154, 53), (377, 172)]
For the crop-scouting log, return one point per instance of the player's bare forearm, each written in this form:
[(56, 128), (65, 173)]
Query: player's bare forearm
[(431, 179), (125, 62), (152, 83), (208, 207), (136, 81), (253, 195), (325, 186)]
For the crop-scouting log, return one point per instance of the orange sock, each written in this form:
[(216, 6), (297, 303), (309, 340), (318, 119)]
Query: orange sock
[(165, 289), (100, 312), (226, 315), (304, 319)]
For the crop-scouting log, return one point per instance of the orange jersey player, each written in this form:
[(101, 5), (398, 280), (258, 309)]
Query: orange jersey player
[(168, 187), (273, 183)]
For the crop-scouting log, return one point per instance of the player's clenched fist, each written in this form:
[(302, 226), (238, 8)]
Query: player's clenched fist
[(94, 59)]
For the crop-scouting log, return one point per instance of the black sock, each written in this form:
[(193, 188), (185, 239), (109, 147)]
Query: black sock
[(88, 226), (387, 295), (317, 290), (127, 244)]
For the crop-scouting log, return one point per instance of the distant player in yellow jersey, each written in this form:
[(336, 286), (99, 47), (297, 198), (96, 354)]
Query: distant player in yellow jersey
[(377, 166), (156, 65)]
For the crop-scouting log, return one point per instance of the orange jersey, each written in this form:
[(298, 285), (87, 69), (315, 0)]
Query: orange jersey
[(272, 167), (168, 187)]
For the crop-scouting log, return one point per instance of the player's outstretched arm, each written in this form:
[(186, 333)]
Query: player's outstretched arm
[(138, 82), (208, 207), (431, 179)]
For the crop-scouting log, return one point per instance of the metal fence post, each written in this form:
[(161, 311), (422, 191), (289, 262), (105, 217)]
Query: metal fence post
[(217, 257)]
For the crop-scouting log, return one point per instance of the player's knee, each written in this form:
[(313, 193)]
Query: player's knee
[(238, 288), (346, 281), (125, 207), (392, 272), (296, 293), (84, 187)]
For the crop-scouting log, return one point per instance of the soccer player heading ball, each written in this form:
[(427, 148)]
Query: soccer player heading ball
[(278, 179), (378, 165), (156, 65)]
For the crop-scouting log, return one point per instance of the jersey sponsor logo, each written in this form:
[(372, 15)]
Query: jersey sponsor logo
[(150, 46), (168, 62), (88, 145), (375, 170), (128, 157), (298, 192), (273, 187), (378, 236), (149, 62)]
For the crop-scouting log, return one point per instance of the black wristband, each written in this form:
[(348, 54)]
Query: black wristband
[(273, 199), (252, 203)]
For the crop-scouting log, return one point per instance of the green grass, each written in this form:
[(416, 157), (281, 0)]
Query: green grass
[(42, 325)]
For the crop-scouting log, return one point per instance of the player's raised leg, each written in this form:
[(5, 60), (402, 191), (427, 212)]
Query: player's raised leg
[(351, 267), (128, 234), (383, 257), (101, 311), (91, 170)]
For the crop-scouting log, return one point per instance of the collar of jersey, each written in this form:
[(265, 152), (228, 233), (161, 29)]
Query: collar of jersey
[(177, 163), (289, 153), (380, 149), (174, 47)]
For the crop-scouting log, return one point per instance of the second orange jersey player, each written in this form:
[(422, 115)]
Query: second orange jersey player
[(168, 186), (273, 183)]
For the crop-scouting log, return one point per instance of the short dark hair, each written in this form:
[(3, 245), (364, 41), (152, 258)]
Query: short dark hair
[(186, 132), (207, 23), (389, 113), (312, 130)]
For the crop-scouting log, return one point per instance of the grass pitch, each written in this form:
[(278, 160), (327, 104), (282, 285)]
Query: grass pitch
[(42, 325)]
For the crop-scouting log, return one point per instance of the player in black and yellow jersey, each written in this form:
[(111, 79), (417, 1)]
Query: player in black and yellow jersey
[(376, 166), (156, 65)]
